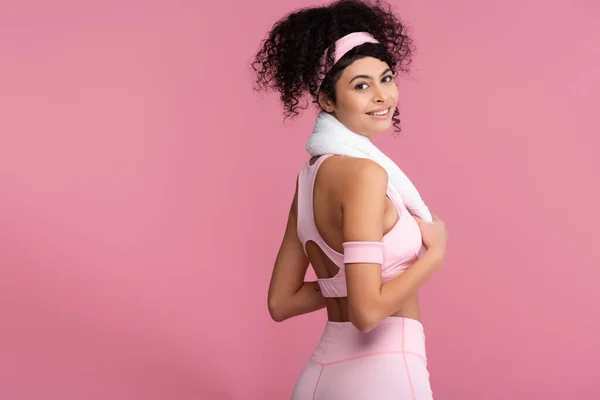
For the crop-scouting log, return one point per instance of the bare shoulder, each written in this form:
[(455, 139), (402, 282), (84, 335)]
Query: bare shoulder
[(363, 183), (351, 174)]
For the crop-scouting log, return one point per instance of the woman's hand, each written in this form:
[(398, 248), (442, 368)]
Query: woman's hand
[(435, 234)]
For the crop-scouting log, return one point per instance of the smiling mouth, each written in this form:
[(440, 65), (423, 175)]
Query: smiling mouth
[(380, 113)]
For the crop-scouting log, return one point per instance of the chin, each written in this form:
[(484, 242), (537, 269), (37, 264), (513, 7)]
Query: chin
[(378, 126), (384, 126)]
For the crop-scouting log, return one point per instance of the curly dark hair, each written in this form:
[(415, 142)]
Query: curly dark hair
[(290, 59)]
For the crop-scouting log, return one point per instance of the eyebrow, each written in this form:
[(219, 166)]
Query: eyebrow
[(367, 76)]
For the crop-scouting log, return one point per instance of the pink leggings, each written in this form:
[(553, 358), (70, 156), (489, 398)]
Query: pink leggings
[(388, 362)]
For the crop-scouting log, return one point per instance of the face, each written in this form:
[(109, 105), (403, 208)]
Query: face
[(365, 86)]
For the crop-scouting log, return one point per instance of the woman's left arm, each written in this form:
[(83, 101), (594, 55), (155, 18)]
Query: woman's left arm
[(289, 295)]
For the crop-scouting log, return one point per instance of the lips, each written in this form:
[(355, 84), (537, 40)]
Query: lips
[(379, 109), (382, 110)]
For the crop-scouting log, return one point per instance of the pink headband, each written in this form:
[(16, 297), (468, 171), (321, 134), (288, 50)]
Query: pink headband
[(347, 43)]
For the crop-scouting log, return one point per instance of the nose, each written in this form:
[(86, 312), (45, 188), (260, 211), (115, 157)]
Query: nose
[(378, 94)]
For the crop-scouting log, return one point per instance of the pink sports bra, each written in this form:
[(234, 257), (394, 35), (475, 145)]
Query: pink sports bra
[(401, 245)]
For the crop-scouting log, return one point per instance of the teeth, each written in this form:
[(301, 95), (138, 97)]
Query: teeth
[(379, 113)]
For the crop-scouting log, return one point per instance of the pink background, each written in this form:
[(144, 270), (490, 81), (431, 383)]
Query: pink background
[(145, 186)]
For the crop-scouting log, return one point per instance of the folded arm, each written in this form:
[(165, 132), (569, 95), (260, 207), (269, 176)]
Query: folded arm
[(369, 300)]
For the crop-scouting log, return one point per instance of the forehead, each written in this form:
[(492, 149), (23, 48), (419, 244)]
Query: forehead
[(364, 66)]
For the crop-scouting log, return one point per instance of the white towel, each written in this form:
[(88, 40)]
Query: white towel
[(330, 136)]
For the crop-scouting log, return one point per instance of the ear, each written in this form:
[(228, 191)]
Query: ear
[(325, 102)]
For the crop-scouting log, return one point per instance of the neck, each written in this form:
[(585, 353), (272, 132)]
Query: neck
[(370, 137)]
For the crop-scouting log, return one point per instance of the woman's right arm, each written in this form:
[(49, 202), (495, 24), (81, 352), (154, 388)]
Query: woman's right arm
[(363, 207)]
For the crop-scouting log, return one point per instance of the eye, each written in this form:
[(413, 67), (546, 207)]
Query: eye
[(358, 87), (391, 78)]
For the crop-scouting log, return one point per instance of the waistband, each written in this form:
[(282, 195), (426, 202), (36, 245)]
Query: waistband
[(341, 341)]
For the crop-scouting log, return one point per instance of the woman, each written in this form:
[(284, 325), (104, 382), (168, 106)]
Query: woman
[(345, 220)]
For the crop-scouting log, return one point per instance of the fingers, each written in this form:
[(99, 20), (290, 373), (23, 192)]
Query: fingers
[(422, 221)]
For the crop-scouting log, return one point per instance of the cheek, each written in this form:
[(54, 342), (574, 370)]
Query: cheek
[(355, 104), (394, 93)]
